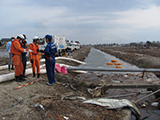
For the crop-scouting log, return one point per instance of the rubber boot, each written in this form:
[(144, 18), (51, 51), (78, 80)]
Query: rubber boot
[(38, 75), (34, 74), (9, 67), (17, 79), (12, 67), (22, 78)]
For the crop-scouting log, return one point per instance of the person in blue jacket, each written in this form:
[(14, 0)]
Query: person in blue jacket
[(49, 53), (8, 48)]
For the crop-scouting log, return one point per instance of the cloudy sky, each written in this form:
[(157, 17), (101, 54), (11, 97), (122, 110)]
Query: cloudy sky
[(89, 21)]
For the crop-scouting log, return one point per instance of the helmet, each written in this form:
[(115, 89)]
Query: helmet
[(35, 37), (13, 37), (20, 36), (48, 36), (24, 36)]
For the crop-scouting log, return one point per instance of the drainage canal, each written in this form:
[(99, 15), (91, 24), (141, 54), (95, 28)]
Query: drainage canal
[(99, 59)]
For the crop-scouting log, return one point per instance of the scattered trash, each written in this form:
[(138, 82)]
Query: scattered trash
[(115, 104), (154, 104), (66, 118), (20, 99), (115, 81), (39, 106), (64, 70), (143, 105), (98, 90), (58, 68), (74, 98), (125, 76), (73, 87), (149, 80), (69, 54)]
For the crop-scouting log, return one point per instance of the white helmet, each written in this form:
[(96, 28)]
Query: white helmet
[(35, 37), (21, 36)]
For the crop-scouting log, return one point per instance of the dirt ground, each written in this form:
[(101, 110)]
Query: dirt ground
[(62, 101)]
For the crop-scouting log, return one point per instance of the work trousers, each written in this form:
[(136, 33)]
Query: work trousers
[(24, 60), (36, 64), (50, 66), (18, 65), (10, 59)]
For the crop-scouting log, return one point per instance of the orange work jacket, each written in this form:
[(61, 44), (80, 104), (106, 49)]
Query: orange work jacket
[(16, 47), (34, 54)]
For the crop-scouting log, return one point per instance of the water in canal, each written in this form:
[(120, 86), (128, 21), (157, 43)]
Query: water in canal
[(98, 59)]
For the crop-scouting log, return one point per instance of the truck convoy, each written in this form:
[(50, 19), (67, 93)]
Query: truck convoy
[(63, 45)]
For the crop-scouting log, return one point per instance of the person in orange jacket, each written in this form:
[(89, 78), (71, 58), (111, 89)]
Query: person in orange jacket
[(35, 56), (16, 50)]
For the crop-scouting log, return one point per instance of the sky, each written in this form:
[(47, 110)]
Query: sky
[(88, 21)]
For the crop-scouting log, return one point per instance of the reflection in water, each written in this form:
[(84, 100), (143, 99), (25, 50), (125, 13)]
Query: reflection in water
[(98, 59)]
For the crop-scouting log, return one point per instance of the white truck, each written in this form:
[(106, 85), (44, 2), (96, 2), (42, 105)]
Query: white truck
[(70, 46), (76, 46), (60, 43)]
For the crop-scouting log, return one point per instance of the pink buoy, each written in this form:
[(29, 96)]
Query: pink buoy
[(64, 70), (57, 67)]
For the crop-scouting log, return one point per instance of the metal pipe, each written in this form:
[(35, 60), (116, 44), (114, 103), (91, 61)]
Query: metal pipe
[(113, 69), (138, 93)]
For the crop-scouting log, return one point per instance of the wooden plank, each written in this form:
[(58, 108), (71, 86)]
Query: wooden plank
[(118, 86)]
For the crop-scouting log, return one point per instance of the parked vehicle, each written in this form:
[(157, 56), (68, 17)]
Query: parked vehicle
[(70, 47), (78, 43), (42, 44), (76, 46), (60, 43)]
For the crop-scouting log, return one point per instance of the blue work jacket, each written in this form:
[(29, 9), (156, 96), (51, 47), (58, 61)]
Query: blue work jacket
[(50, 51)]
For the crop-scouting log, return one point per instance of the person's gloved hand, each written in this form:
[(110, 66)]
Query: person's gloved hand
[(25, 50), (31, 60)]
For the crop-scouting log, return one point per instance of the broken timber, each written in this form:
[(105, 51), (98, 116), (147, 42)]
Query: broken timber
[(129, 86)]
